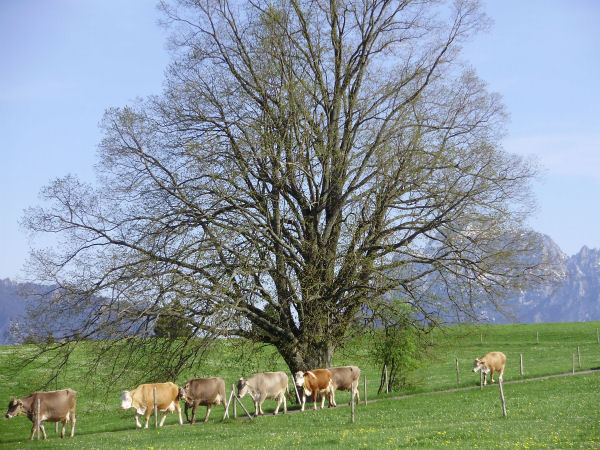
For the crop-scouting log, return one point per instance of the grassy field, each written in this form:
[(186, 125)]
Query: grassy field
[(554, 413)]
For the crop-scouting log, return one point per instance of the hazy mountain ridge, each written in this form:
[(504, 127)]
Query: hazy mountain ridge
[(572, 294)]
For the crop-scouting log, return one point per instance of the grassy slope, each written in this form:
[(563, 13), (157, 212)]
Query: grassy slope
[(554, 412)]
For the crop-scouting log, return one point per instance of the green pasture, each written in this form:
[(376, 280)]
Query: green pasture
[(555, 413)]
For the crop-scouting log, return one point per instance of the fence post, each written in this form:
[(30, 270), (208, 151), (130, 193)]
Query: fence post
[(537, 337), (387, 386), (352, 399), (228, 403), (365, 390), (155, 410), (243, 407), (521, 357), (38, 422), (457, 373), (502, 397), (296, 390), (234, 405), (579, 356)]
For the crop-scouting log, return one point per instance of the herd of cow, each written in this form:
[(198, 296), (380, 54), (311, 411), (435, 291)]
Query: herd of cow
[(59, 406)]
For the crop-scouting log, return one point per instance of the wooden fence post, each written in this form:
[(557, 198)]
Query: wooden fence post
[(296, 390), (155, 410), (365, 390), (387, 386), (502, 397), (352, 399), (457, 373), (228, 403), (243, 407), (537, 337), (38, 422), (521, 357), (579, 356), (234, 404)]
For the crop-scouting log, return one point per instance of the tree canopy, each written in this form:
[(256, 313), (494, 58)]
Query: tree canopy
[(306, 159)]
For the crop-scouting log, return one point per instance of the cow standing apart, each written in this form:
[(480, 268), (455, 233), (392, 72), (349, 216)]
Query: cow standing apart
[(265, 385), (142, 399), (493, 361), (204, 392), (315, 382), (345, 379), (55, 406)]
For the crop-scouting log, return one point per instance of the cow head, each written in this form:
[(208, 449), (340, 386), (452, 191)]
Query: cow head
[(479, 364), (182, 393), (126, 400), (242, 387), (299, 378), (15, 407)]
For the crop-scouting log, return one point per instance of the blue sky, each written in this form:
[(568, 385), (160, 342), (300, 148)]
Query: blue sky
[(65, 61)]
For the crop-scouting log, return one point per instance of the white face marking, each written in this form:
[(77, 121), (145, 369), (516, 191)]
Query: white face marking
[(126, 400), (299, 378)]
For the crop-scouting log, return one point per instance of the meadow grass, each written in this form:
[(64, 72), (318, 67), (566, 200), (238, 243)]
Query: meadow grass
[(557, 412)]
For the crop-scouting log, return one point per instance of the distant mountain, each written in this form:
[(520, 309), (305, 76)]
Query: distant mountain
[(12, 305), (571, 295)]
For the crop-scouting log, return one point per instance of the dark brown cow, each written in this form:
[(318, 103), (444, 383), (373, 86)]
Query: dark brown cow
[(55, 406), (142, 399), (315, 382), (345, 379), (204, 392)]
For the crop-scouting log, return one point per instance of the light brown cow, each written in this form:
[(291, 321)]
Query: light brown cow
[(55, 406), (345, 379), (204, 392), (142, 399), (493, 361), (315, 382), (265, 385)]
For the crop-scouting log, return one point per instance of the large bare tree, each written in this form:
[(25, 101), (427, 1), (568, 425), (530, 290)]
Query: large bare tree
[(306, 159)]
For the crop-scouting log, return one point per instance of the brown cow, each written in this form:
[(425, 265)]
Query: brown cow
[(345, 379), (265, 385), (493, 361), (315, 382), (204, 392), (142, 399), (55, 406)]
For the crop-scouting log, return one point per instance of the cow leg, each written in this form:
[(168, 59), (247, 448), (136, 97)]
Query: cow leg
[(186, 412), (500, 374), (356, 392), (64, 426), (178, 408), (147, 415), (261, 400), (303, 402), (332, 399), (256, 408), (137, 421), (279, 398), (194, 407), (207, 413), (73, 420), (162, 421), (43, 430), (492, 375)]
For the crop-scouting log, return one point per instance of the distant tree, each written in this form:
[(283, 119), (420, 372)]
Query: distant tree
[(172, 322), (306, 158)]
